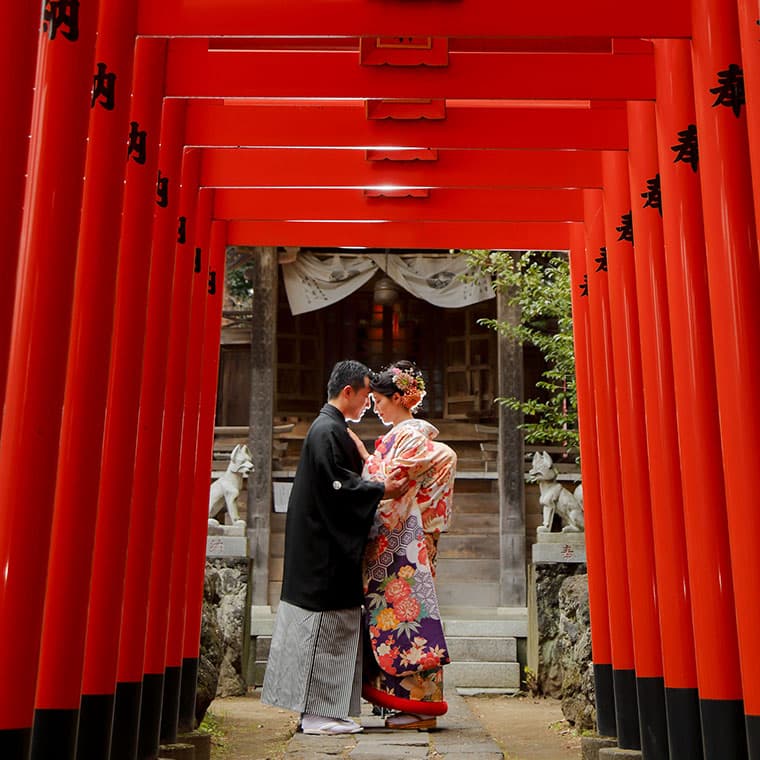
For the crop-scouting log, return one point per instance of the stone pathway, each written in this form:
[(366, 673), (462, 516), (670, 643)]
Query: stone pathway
[(459, 737)]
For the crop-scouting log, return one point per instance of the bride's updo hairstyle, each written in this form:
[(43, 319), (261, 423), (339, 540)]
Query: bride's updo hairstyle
[(404, 378)]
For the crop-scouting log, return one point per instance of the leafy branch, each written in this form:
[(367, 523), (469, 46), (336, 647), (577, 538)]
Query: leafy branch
[(538, 282)]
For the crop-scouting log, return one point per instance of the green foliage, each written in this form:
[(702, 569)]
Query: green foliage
[(239, 287), (211, 724), (531, 682), (538, 282)]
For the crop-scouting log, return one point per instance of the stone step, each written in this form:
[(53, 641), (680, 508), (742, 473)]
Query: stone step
[(456, 593), (472, 546), (471, 612), (485, 675), (473, 522), (475, 691), (475, 502), (482, 648), (468, 677), (461, 648), (475, 484), (473, 571), (450, 572), (486, 628)]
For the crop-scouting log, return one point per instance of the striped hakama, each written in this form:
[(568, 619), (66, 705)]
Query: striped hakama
[(314, 662)]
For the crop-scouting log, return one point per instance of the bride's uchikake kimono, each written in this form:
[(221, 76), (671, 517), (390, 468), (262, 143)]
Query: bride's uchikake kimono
[(408, 649)]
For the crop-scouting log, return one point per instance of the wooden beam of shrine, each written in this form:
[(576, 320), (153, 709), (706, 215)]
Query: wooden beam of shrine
[(445, 18), (441, 205), (195, 71), (309, 167), (345, 125), (545, 236)]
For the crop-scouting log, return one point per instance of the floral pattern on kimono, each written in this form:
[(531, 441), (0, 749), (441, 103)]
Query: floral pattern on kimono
[(403, 619)]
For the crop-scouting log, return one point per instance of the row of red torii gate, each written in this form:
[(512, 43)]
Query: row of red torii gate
[(142, 138)]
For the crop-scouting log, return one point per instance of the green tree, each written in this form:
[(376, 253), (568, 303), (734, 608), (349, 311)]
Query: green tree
[(538, 282), (239, 287)]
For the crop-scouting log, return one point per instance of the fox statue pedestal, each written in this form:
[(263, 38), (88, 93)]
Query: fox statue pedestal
[(226, 541), (559, 547)]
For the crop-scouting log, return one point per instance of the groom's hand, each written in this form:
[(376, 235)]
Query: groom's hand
[(396, 485), (363, 453)]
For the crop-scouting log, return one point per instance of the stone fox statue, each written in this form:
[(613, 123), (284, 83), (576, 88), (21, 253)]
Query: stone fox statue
[(555, 498), (225, 490)]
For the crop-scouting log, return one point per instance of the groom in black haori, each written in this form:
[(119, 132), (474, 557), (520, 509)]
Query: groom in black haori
[(314, 665)]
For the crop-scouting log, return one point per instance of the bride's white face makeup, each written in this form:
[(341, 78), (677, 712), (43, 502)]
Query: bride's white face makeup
[(384, 408)]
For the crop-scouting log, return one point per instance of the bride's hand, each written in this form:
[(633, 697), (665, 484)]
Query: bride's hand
[(363, 453)]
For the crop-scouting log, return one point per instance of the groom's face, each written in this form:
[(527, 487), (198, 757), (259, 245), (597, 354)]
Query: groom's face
[(358, 402)]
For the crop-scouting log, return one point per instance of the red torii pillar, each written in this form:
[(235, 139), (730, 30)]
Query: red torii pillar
[(734, 282), (749, 31), (163, 500), (637, 511), (605, 407), (678, 658), (196, 556), (37, 359), (166, 239), (18, 52), (592, 506), (184, 484), (73, 532), (120, 435), (702, 480)]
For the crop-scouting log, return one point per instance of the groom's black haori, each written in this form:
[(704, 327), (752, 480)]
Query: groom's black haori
[(330, 512), (314, 663)]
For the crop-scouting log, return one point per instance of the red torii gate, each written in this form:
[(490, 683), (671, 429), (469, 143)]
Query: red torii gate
[(480, 125), (38, 356)]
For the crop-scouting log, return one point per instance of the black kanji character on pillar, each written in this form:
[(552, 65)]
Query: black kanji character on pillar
[(687, 149), (626, 227), (137, 143), (212, 283), (103, 86), (730, 89), (602, 261), (653, 195), (61, 13), (162, 191), (584, 285), (197, 265), (182, 230)]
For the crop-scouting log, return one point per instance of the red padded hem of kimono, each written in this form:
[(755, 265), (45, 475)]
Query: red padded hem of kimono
[(381, 698)]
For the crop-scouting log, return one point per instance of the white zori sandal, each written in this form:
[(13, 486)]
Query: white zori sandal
[(316, 724)]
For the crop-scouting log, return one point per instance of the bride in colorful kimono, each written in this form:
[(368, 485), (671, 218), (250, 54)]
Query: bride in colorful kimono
[(405, 670)]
